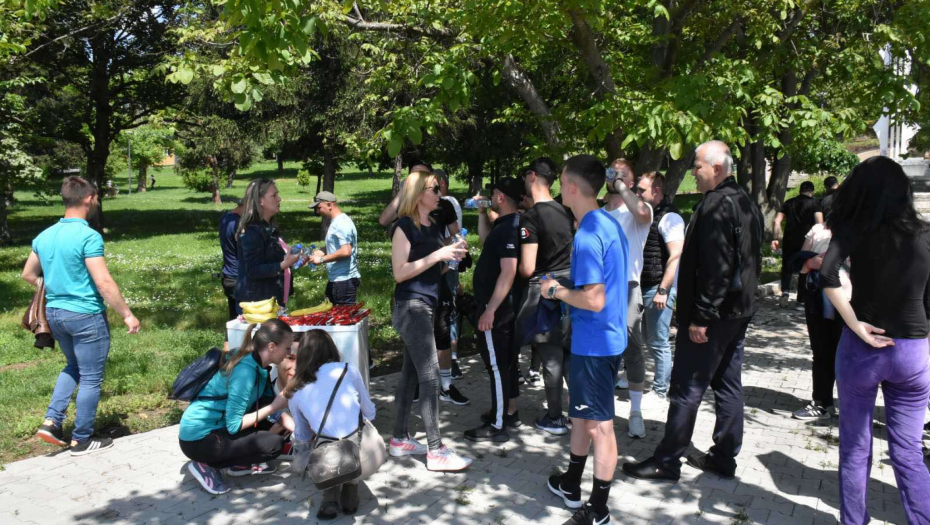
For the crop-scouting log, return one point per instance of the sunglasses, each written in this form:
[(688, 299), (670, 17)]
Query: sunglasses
[(435, 189)]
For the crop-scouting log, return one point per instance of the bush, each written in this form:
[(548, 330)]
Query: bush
[(824, 157), (200, 180), (304, 178)]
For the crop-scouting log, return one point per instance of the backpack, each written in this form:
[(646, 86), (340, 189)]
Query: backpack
[(195, 377)]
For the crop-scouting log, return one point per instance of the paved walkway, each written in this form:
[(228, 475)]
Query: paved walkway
[(787, 469)]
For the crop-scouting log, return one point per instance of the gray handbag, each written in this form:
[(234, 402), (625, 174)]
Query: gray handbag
[(335, 462)]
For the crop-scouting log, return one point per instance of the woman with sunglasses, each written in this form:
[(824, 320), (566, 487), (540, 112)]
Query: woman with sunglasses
[(417, 254)]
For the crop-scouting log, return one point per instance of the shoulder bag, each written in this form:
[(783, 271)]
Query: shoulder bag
[(335, 462)]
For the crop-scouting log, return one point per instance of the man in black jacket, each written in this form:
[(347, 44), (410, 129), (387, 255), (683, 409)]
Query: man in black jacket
[(716, 293)]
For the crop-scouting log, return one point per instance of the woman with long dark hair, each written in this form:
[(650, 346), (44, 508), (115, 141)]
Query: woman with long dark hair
[(417, 255), (884, 343), (263, 263), (226, 426), (315, 376)]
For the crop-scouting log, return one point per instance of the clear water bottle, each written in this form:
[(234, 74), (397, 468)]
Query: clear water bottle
[(297, 249), (471, 203), (459, 237), (305, 254), (483, 203)]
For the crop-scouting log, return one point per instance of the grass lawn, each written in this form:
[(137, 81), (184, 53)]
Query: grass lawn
[(162, 249)]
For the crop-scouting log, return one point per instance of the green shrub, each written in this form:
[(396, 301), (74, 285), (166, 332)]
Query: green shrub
[(200, 180), (304, 178), (824, 158)]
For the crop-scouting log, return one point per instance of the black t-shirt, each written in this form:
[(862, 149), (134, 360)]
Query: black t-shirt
[(501, 243), (826, 202), (423, 241), (799, 213), (890, 284), (551, 226)]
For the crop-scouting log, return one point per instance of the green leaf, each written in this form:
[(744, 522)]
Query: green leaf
[(245, 105), (256, 95), (238, 86), (437, 70), (674, 150), (416, 136), (783, 14), (448, 83), (218, 70), (394, 147), (309, 26), (347, 6), (264, 78), (184, 75), (496, 77)]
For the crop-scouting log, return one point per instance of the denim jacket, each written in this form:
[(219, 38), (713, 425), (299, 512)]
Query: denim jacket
[(260, 255)]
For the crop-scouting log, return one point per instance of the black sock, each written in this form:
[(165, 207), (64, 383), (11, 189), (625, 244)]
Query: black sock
[(572, 478), (599, 493)]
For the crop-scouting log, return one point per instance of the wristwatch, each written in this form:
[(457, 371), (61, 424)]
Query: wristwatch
[(551, 292), (662, 291)]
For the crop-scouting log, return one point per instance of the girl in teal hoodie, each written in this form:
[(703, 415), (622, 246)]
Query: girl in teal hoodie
[(226, 426)]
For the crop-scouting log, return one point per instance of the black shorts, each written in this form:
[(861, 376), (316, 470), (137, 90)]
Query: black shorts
[(442, 319), (591, 381), (343, 292)]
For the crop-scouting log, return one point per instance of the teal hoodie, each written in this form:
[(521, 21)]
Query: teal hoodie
[(244, 386)]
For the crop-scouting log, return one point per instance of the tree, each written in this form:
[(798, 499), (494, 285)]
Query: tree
[(146, 146), (17, 169), (219, 145)]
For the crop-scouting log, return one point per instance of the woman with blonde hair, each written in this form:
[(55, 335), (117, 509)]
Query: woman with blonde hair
[(264, 266), (417, 254), (226, 426)]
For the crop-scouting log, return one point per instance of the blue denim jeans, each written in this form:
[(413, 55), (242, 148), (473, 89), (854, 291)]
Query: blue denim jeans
[(655, 330), (85, 341)]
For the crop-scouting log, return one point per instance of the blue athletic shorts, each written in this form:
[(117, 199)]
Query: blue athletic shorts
[(591, 386)]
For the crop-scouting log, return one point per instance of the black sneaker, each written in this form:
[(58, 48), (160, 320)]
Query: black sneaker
[(707, 463), (453, 396), (91, 445), (51, 433), (588, 516), (487, 433), (456, 371), (572, 498), (510, 420), (556, 427)]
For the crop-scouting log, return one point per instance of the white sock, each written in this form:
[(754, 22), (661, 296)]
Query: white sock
[(636, 400), (445, 378), (455, 356)]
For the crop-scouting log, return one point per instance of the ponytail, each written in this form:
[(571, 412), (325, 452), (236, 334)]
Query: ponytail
[(271, 331)]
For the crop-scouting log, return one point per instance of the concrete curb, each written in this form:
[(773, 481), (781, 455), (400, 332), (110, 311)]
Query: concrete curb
[(767, 290)]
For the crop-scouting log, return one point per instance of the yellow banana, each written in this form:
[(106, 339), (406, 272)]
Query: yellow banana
[(325, 306), (258, 318), (267, 306)]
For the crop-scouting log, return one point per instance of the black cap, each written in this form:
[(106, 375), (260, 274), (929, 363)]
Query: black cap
[(545, 168), (510, 187)]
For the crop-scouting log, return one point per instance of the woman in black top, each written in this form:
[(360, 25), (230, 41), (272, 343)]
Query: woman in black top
[(417, 254), (885, 343), (262, 260)]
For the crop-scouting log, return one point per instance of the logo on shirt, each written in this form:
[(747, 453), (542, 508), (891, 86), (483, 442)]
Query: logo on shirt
[(511, 247), (524, 234)]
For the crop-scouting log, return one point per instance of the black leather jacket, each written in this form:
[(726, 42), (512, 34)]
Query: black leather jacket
[(260, 255), (708, 258)]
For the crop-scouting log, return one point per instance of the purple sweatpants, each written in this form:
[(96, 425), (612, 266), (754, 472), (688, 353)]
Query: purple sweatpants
[(903, 371)]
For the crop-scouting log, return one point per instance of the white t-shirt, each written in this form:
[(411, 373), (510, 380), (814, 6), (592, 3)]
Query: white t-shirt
[(672, 228), (458, 211), (820, 238), (308, 404), (636, 235)]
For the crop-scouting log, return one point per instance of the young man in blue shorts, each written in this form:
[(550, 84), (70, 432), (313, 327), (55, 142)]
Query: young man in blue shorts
[(597, 300)]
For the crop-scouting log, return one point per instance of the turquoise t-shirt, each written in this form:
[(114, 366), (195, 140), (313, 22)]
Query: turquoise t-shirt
[(62, 249), (342, 231)]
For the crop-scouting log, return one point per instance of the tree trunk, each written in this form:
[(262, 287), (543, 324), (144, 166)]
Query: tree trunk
[(371, 172), (650, 159), (100, 96), (398, 173), (758, 171), (781, 170), (329, 170), (5, 236), (231, 178), (744, 166), (280, 164), (143, 177), (319, 183), (475, 176), (520, 82), (216, 185), (677, 169)]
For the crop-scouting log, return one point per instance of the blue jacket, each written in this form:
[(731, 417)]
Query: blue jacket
[(247, 383), (260, 255)]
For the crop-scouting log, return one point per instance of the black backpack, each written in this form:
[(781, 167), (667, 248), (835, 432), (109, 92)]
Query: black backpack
[(196, 375)]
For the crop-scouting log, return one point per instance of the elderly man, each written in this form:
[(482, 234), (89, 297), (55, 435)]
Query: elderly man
[(720, 266)]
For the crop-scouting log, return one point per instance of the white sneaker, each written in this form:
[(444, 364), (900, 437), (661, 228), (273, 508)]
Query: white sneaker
[(637, 425), (407, 447), (622, 383), (445, 459)]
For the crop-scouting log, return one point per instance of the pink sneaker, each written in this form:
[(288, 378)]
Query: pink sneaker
[(445, 459), (407, 447)]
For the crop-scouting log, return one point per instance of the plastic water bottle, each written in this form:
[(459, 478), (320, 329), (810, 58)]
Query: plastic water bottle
[(459, 237), (297, 249), (305, 253), (471, 203)]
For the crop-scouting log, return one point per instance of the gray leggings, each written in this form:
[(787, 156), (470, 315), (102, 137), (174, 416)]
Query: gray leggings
[(633, 358), (413, 320)]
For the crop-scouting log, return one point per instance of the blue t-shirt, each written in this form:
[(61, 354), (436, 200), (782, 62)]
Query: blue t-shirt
[(600, 255), (62, 249), (228, 224), (341, 232)]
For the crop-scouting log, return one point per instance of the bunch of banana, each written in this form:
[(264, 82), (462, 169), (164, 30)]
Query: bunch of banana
[(325, 306), (259, 311)]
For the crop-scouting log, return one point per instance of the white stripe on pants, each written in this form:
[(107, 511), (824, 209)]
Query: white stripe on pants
[(497, 387)]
